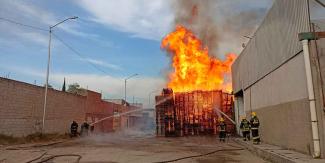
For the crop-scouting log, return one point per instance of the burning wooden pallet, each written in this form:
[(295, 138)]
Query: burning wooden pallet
[(192, 113)]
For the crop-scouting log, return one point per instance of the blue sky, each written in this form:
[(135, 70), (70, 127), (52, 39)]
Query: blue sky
[(119, 37)]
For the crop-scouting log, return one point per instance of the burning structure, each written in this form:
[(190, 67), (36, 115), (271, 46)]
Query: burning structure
[(196, 88), (192, 113), (194, 68)]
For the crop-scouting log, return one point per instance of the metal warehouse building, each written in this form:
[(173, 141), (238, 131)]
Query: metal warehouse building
[(271, 77)]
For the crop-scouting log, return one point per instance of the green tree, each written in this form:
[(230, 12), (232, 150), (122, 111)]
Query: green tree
[(76, 89)]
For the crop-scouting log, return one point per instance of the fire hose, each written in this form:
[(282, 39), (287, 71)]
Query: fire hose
[(219, 111), (39, 157), (63, 155), (34, 146), (54, 156), (200, 155)]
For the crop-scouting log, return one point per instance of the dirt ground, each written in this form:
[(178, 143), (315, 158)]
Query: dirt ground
[(133, 147)]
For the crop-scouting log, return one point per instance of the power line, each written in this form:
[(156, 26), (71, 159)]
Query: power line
[(21, 24), (56, 36), (79, 54), (321, 3)]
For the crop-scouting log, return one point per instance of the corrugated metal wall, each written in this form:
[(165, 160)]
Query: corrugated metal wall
[(274, 43)]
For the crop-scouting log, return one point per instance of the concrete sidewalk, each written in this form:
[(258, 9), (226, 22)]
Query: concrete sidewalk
[(277, 154)]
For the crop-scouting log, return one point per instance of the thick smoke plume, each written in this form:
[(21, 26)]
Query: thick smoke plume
[(221, 24), (198, 16)]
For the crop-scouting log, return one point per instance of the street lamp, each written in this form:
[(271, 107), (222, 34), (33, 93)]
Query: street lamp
[(125, 85), (149, 97), (48, 68)]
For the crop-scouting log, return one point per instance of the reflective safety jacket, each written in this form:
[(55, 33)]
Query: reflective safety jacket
[(222, 127), (255, 123), (244, 125)]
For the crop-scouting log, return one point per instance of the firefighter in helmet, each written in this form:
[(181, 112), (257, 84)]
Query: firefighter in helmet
[(84, 129), (245, 128), (74, 129), (255, 123), (222, 130)]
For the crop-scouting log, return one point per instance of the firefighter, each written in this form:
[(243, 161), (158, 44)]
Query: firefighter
[(92, 128), (222, 130), (84, 129), (74, 129), (245, 128), (255, 123)]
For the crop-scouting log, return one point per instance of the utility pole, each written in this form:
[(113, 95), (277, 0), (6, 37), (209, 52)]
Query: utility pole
[(125, 80), (149, 96), (125, 91), (48, 69)]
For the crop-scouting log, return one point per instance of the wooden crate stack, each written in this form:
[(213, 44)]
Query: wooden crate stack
[(192, 113)]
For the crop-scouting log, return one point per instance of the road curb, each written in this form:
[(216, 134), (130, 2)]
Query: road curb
[(268, 155)]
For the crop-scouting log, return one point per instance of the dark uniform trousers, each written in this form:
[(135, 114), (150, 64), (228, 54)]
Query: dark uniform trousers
[(74, 129), (246, 135), (245, 127), (222, 132), (255, 135)]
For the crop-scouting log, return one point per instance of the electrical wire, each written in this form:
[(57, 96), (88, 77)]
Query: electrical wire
[(58, 38), (78, 54), (21, 24)]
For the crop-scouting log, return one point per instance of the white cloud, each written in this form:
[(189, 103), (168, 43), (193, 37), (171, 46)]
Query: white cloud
[(102, 63), (28, 13), (24, 10), (39, 38), (142, 18), (112, 87), (16, 35)]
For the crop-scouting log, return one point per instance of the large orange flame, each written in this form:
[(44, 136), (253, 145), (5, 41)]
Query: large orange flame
[(194, 69)]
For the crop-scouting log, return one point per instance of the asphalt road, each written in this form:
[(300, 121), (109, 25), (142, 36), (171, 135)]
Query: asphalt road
[(133, 147)]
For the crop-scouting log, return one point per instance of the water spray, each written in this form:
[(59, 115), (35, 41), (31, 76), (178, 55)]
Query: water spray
[(120, 114), (219, 111)]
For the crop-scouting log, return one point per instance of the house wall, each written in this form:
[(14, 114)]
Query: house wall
[(21, 109), (97, 109), (281, 103), (317, 59), (239, 112), (274, 43), (270, 71)]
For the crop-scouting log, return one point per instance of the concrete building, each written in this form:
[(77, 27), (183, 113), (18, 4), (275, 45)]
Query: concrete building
[(124, 117), (270, 78), (21, 110), (118, 101), (138, 105)]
